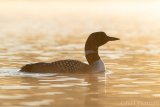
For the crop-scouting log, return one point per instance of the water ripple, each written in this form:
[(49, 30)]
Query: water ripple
[(17, 96), (15, 87)]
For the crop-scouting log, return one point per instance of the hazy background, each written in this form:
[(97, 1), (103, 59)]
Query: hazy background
[(127, 18)]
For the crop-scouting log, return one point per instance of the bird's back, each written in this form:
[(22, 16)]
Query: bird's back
[(62, 66)]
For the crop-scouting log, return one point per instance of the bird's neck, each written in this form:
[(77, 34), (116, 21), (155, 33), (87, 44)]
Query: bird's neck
[(91, 55), (94, 60)]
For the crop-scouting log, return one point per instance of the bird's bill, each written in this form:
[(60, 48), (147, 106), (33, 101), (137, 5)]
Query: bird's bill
[(113, 38)]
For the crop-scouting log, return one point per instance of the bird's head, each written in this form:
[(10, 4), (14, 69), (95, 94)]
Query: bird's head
[(98, 39)]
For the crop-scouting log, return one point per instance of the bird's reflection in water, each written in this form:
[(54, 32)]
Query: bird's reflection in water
[(71, 89), (92, 98)]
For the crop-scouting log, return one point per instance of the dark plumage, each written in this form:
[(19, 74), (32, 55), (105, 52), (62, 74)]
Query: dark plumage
[(57, 66), (94, 41)]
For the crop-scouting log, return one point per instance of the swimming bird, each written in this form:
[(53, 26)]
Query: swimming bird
[(95, 64)]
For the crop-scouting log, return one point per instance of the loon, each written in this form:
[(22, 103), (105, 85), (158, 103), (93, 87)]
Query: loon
[(95, 64)]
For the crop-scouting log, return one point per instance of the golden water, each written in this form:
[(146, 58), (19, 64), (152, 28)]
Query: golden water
[(43, 37), (134, 82)]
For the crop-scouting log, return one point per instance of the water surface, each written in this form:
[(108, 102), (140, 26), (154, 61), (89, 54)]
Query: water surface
[(134, 79)]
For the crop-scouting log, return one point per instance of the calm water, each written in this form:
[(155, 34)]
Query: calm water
[(27, 36), (134, 82)]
